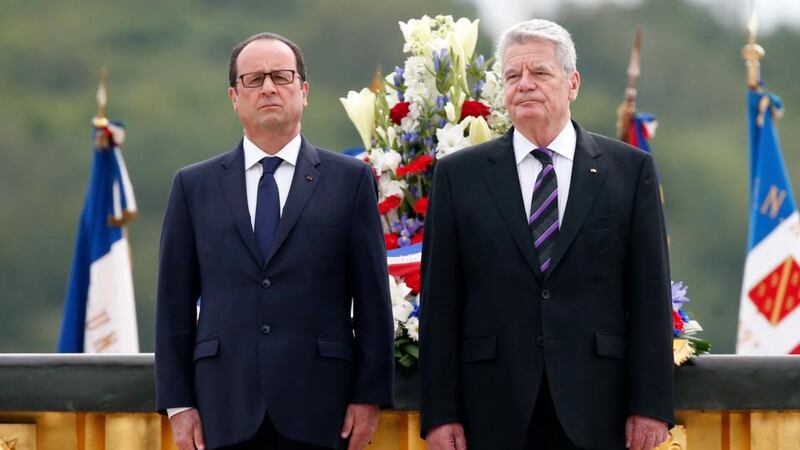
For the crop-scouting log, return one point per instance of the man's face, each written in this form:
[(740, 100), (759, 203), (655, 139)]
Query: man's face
[(537, 92), (269, 107)]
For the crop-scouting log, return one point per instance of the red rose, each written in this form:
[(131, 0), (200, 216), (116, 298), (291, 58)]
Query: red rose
[(390, 240), (420, 164), (389, 204), (421, 206), (474, 109), (677, 322), (399, 111), (413, 280), (417, 237)]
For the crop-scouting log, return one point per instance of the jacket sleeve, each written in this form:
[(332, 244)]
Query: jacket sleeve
[(372, 308), (440, 317), (178, 290), (649, 304)]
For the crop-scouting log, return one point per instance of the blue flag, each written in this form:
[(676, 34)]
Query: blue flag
[(99, 309), (769, 312)]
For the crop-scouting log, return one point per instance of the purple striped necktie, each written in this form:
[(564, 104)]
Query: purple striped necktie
[(543, 221)]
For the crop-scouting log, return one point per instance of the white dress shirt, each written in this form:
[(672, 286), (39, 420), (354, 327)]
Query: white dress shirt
[(283, 174), (252, 175), (528, 167)]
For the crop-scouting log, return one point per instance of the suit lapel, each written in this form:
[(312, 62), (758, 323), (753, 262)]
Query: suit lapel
[(587, 178), (503, 182), (306, 177), (235, 194)]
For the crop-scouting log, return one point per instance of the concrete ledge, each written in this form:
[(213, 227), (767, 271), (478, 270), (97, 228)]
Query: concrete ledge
[(124, 383)]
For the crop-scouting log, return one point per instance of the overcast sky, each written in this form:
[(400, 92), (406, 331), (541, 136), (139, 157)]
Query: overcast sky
[(496, 15)]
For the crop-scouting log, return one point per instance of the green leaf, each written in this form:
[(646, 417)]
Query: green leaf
[(412, 349), (406, 361)]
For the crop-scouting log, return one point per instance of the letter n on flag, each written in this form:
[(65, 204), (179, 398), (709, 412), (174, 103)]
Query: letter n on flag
[(769, 312), (99, 310)]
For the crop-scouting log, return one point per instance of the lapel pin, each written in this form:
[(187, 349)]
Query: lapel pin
[(593, 170), (309, 178)]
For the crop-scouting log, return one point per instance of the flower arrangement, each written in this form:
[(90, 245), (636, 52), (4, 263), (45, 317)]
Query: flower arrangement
[(685, 345), (444, 98)]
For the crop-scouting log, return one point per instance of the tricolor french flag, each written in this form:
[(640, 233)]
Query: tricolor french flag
[(769, 311), (99, 310)]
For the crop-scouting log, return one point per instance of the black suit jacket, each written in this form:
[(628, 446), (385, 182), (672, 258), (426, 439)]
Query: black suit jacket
[(274, 336), (599, 321)]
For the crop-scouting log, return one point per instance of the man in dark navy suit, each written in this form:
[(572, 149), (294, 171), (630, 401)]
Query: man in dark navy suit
[(279, 239), (557, 335)]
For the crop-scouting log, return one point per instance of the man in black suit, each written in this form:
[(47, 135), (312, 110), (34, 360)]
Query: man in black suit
[(278, 239), (546, 313)]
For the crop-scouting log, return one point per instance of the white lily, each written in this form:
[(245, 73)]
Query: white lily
[(466, 32), (450, 112), (451, 139), (384, 160), (398, 291), (388, 187), (360, 108), (479, 131), (459, 62)]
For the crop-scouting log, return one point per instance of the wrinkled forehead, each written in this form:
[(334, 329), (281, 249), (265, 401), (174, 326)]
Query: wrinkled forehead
[(266, 54), (531, 53)]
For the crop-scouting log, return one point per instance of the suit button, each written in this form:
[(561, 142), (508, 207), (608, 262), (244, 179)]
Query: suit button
[(545, 294), (540, 340), (265, 283), (266, 329)]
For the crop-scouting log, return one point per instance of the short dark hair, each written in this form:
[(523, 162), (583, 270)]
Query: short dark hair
[(298, 55)]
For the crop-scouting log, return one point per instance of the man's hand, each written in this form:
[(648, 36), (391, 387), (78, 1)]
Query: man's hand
[(360, 423), (644, 433), (187, 431), (446, 437)]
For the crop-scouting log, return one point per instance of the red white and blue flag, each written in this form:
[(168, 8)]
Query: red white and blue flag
[(99, 310), (769, 311)]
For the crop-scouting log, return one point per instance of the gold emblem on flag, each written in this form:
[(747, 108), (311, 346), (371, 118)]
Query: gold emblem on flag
[(778, 293)]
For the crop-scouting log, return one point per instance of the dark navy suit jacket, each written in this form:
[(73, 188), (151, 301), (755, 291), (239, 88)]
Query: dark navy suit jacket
[(598, 321), (274, 336)]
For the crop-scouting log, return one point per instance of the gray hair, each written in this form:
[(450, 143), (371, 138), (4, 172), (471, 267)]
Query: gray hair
[(541, 30)]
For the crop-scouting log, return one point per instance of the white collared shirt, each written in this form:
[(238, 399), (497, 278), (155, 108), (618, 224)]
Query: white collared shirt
[(283, 174), (528, 167)]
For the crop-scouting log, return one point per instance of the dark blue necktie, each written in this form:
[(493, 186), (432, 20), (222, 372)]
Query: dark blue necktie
[(268, 205)]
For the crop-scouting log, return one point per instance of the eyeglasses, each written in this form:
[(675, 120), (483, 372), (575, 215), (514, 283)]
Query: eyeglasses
[(256, 79)]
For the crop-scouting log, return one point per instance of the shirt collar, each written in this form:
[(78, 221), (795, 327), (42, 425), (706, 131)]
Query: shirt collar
[(563, 144), (253, 154)]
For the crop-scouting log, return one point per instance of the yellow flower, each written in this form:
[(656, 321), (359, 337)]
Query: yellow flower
[(360, 108)]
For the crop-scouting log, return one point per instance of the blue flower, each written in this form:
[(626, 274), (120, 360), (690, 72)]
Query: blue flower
[(410, 137), (415, 304), (478, 88), (438, 57), (398, 76), (441, 101), (678, 295), (479, 61)]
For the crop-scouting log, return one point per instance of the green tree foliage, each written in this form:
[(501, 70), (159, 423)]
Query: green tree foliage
[(168, 79)]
